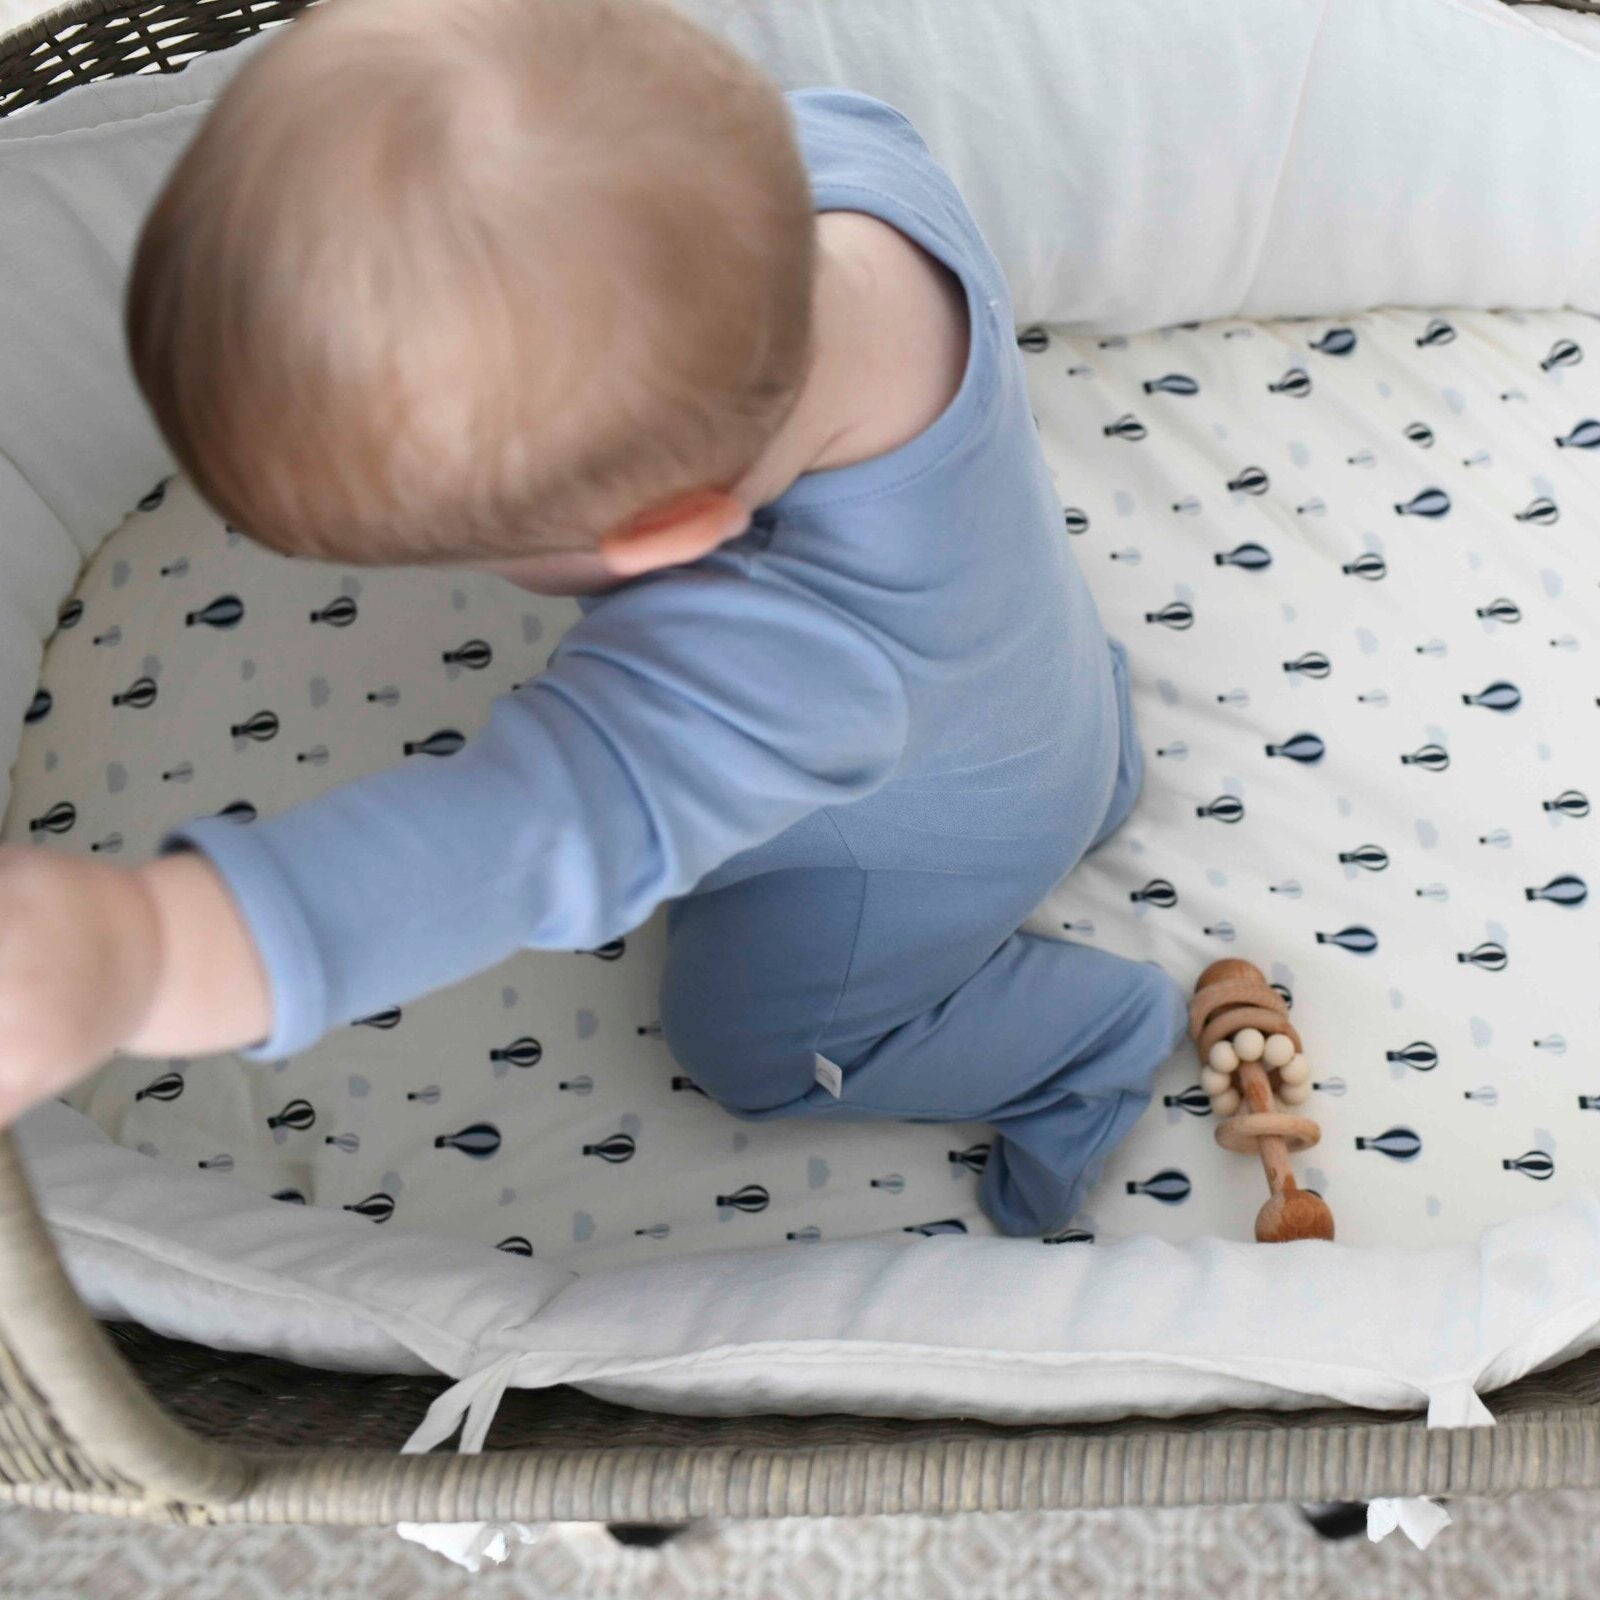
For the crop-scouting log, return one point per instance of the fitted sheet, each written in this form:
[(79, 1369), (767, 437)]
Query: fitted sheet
[(1356, 574)]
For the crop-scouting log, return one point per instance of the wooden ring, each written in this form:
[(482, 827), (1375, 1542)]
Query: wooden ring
[(1227, 1023), (1243, 1134), (1230, 992)]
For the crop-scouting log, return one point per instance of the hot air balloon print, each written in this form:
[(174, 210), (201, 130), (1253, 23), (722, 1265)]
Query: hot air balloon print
[(1563, 353), (376, 1207), (1336, 1087), (1399, 1144), (656, 1230), (1496, 839), (1226, 808), (181, 773), (338, 613), (1554, 1044), (1172, 383), (1336, 342), (1362, 458), (1543, 512), (1194, 1100), (474, 655), (929, 1230), (260, 728), (166, 1088), (59, 818), (523, 1052), (1223, 930), (515, 1245), (429, 1095), (298, 1115), (443, 743), (890, 1183), (1075, 520), (1501, 610), (112, 636), (1170, 1186), (1371, 566), (1430, 757), (388, 695), (1488, 1095), (1313, 664), (316, 756), (290, 1197), (809, 1235), (1067, 1236), (683, 1085), (1296, 383), (240, 811), (1419, 1055), (109, 845), (1438, 331), (581, 1085), (1316, 506), (1569, 891), (1247, 557), (1035, 340), (39, 706), (70, 614), (152, 500), (176, 569), (1157, 892), (1128, 427), (1176, 751), (1499, 696), (1369, 857), (226, 611), (1289, 888), (218, 1163), (1436, 892), (1536, 1164), (611, 950), (348, 1143), (614, 1148), (480, 1140), (1250, 480), (1188, 506), (973, 1159), (1425, 503), (1420, 434), (749, 1198), (383, 1020), (1583, 435), (1305, 748), (1357, 939), (1572, 803), (1486, 957)]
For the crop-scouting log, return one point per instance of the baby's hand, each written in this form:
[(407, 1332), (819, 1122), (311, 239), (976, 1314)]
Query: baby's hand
[(79, 952), (96, 958)]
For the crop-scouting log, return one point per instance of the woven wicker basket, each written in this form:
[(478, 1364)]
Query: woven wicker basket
[(119, 1420)]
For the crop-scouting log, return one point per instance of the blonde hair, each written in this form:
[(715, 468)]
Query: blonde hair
[(466, 278)]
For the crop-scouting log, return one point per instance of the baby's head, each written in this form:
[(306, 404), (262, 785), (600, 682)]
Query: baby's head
[(480, 281)]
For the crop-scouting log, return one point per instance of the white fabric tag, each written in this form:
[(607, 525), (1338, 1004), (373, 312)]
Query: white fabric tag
[(1419, 1518), (830, 1077)]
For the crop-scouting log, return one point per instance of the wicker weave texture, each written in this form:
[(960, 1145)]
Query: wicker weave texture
[(88, 40), (203, 1436)]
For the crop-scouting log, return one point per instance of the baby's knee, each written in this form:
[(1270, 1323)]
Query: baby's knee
[(1155, 1016)]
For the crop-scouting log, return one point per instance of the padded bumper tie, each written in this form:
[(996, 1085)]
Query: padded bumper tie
[(469, 1405)]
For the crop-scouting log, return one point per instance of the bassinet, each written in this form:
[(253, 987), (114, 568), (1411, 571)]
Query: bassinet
[(119, 1420)]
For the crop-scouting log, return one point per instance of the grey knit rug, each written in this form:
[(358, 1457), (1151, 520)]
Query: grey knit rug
[(1539, 1547)]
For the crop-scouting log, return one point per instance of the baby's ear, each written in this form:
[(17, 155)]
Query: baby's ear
[(674, 533)]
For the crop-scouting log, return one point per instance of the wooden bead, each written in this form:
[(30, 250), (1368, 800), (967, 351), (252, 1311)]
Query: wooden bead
[(1297, 1071), (1215, 1082), (1295, 1094), (1249, 1043), (1279, 1051), (1224, 1058), (1226, 1103)]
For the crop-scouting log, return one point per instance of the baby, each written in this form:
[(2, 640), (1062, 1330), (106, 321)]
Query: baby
[(568, 291)]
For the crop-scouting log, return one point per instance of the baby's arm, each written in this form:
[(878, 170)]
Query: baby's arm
[(687, 719)]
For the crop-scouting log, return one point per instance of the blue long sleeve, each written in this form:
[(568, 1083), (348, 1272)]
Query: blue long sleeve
[(684, 720)]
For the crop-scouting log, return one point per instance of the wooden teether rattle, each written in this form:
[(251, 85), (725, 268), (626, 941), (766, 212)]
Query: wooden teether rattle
[(1249, 1050)]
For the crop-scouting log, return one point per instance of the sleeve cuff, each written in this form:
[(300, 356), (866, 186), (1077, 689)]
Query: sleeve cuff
[(296, 982)]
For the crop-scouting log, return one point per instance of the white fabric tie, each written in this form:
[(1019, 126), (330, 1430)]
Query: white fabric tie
[(1419, 1519), (469, 1405)]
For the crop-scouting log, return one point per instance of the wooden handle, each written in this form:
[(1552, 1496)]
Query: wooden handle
[(1256, 1091)]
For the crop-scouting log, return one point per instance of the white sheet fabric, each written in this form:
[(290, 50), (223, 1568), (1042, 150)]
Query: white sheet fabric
[(535, 1108)]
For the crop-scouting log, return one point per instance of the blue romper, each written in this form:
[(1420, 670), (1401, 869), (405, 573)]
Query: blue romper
[(853, 747)]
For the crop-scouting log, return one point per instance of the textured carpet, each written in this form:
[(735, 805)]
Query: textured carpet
[(1541, 1548)]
